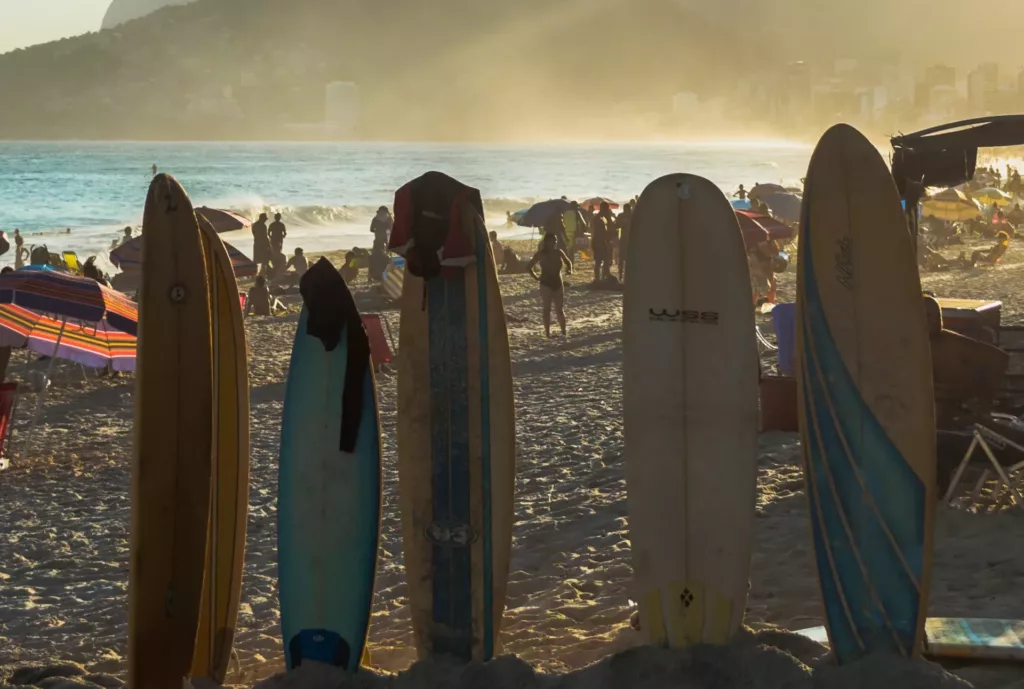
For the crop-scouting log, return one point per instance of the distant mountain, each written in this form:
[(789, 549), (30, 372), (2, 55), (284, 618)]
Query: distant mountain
[(121, 11), (446, 69)]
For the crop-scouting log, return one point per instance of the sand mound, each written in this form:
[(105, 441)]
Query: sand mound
[(765, 660)]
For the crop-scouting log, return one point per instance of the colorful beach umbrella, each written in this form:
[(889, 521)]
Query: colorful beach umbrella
[(951, 205), (71, 297), (128, 257), (66, 316), (223, 221), (96, 344)]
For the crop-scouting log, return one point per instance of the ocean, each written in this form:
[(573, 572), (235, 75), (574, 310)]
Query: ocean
[(328, 192)]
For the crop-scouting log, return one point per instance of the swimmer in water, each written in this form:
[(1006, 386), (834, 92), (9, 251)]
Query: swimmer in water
[(550, 259)]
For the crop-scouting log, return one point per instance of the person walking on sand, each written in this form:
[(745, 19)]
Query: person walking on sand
[(20, 252), (277, 233), (550, 259), (600, 245), (261, 252)]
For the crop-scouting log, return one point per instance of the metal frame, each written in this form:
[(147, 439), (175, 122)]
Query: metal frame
[(982, 437)]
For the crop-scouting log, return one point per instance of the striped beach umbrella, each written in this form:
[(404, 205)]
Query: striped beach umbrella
[(128, 257), (68, 317), (94, 344)]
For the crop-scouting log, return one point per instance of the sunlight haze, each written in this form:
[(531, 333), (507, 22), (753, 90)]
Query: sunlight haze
[(27, 23)]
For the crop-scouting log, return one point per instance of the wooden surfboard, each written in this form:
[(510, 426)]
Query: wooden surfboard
[(173, 438), (456, 454), (229, 506), (690, 393), (329, 485), (958, 637), (866, 401)]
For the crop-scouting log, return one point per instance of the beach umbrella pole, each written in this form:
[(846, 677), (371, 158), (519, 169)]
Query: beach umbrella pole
[(41, 397)]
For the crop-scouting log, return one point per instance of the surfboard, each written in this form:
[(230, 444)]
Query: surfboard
[(866, 401), (690, 397), (229, 491), (456, 454), (958, 637), (173, 439), (329, 484)]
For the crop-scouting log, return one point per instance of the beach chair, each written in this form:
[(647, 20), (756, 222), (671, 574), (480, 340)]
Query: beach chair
[(985, 439), (71, 261), (8, 405), (381, 345)]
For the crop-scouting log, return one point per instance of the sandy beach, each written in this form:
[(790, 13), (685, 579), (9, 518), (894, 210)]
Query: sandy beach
[(65, 514)]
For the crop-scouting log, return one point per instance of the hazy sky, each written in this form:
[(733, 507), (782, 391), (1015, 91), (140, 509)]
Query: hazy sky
[(27, 22)]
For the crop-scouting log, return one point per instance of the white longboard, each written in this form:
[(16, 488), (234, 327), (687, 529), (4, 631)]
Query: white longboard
[(691, 412)]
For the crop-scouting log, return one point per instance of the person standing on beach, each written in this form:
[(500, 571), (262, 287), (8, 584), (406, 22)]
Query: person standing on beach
[(741, 194), (550, 259), (381, 226), (277, 233), (496, 248), (20, 252), (611, 234), (261, 243), (556, 225), (601, 247), (624, 223)]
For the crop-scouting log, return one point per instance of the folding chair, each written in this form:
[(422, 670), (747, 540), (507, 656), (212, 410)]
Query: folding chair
[(985, 438), (8, 405), (381, 345), (71, 261)]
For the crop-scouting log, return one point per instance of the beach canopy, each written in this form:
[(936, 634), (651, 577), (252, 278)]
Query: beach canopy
[(596, 202), (128, 257), (741, 205), (772, 228), (223, 221), (541, 212)]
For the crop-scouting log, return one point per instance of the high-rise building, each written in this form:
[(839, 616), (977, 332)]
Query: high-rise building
[(983, 88)]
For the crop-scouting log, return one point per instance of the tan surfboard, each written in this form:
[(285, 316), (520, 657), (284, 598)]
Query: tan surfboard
[(172, 443), (866, 401), (690, 398), (230, 466), (456, 454)]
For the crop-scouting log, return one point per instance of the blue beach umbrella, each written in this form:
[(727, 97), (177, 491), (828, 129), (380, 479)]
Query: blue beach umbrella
[(541, 212), (785, 207), (741, 205)]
